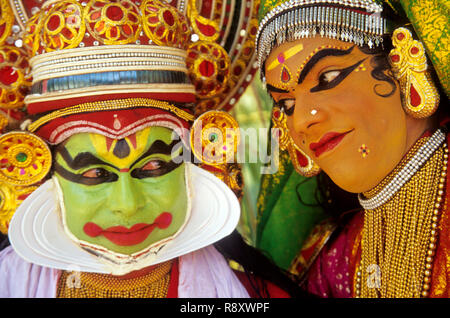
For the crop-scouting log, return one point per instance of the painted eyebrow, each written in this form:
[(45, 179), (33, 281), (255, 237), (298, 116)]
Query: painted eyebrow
[(319, 56), (86, 159), (158, 146), (81, 160), (275, 89)]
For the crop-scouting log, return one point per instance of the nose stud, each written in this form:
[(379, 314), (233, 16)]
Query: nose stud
[(313, 112)]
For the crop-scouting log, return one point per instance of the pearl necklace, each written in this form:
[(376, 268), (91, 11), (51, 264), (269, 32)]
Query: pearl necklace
[(416, 162), (400, 237)]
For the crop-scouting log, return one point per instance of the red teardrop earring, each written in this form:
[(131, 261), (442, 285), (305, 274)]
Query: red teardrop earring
[(420, 97), (302, 163)]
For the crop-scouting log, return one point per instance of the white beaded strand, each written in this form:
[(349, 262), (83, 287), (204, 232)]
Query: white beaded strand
[(405, 174)]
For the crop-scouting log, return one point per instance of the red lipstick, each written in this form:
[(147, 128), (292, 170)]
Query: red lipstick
[(120, 235), (327, 142)]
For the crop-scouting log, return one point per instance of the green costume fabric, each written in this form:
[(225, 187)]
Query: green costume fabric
[(272, 217), (284, 221), (430, 19)]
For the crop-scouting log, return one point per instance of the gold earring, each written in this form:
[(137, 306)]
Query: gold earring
[(302, 163), (25, 159), (214, 138), (420, 96)]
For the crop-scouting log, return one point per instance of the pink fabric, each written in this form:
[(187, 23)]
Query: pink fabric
[(203, 273), (331, 274), (20, 279), (206, 274)]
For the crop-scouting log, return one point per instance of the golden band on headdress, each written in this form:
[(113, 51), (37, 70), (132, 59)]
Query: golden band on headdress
[(115, 104)]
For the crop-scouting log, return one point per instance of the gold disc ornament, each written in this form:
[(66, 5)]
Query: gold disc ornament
[(215, 138), (25, 159), (10, 199)]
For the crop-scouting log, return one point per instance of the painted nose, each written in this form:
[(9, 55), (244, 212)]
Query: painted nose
[(305, 117), (125, 198)]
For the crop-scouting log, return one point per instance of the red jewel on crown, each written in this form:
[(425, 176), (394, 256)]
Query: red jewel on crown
[(69, 24)]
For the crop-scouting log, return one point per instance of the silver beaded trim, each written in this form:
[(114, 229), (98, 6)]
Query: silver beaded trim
[(404, 175), (85, 60), (109, 56), (20, 13), (336, 19)]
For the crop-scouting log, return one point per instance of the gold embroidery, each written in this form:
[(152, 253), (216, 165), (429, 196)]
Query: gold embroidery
[(93, 285)]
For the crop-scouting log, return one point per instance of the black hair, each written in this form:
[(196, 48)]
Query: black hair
[(333, 200), (381, 68), (4, 242)]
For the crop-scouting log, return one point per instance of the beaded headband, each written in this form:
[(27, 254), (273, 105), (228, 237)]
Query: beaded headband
[(355, 21)]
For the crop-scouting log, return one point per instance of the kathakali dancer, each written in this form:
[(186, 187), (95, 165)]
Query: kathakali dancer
[(117, 92), (361, 93)]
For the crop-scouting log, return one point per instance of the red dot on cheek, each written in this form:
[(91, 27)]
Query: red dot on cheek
[(163, 220), (92, 229)]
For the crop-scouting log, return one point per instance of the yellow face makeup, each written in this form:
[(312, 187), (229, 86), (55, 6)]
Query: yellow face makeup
[(286, 79), (333, 107), (284, 56), (121, 153)]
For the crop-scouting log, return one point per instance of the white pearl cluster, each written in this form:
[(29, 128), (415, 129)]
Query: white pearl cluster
[(405, 174)]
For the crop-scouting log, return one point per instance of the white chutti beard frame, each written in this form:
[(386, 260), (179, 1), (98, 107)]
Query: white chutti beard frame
[(37, 234)]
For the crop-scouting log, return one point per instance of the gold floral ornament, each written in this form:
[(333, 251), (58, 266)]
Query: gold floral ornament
[(113, 22), (215, 138), (15, 80), (31, 38), (420, 97), (6, 20), (302, 163), (25, 159), (209, 68), (10, 199), (164, 25), (63, 27), (206, 29), (3, 121)]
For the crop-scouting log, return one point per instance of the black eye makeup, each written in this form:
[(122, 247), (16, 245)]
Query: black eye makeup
[(96, 173), (332, 78), (287, 105), (92, 176), (154, 168)]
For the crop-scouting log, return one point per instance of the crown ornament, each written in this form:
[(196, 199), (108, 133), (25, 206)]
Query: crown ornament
[(356, 21), (35, 28), (420, 97)]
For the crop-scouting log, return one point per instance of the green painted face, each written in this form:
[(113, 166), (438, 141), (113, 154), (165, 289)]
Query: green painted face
[(123, 195)]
